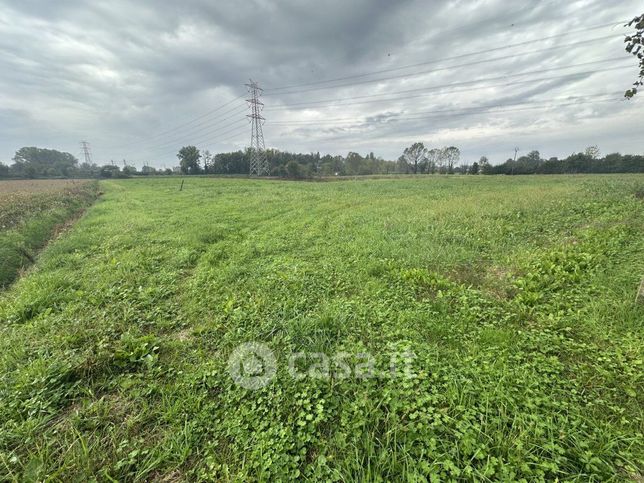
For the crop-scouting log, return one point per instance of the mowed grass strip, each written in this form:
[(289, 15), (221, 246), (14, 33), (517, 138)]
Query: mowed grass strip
[(31, 211), (516, 295)]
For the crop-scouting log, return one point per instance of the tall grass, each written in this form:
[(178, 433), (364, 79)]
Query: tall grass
[(30, 213)]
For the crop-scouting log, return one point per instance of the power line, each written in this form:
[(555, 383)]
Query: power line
[(443, 87), (199, 117), (203, 141), (166, 151), (460, 56), (234, 135), (436, 111), (205, 128), (237, 132), (182, 138), (444, 68), (236, 109), (380, 135), (234, 126), (188, 139), (177, 127), (451, 111)]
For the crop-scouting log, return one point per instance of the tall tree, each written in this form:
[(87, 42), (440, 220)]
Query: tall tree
[(441, 160), (592, 152), (354, 163), (402, 166), (433, 159), (416, 156), (189, 159), (484, 165), (207, 161), (634, 45), (452, 154)]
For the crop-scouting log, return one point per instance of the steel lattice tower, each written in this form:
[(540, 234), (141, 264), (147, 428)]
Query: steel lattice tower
[(86, 152), (258, 161)]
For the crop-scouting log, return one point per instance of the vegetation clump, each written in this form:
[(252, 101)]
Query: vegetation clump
[(30, 212)]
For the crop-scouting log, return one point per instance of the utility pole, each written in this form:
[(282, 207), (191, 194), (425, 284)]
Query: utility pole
[(516, 150), (258, 161), (87, 153)]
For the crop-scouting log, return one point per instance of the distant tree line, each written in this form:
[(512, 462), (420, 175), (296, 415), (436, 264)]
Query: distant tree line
[(588, 161), (283, 163), (32, 162), (418, 159)]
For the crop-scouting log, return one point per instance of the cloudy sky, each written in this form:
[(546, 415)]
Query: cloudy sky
[(139, 79)]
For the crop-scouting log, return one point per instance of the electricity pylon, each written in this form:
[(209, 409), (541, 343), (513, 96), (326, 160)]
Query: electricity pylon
[(86, 152), (258, 161)]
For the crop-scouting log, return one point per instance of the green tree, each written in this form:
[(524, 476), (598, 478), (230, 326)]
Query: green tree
[(592, 152), (474, 169), (227, 163), (293, 169), (129, 170), (433, 160), (110, 171), (635, 46), (533, 157), (354, 163), (484, 165), (415, 156), (441, 160), (207, 161), (32, 162), (189, 157), (451, 155)]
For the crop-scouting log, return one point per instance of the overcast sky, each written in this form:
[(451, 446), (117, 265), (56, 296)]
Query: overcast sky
[(139, 79)]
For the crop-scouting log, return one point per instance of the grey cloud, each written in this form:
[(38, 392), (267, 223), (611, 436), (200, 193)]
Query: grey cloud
[(119, 72)]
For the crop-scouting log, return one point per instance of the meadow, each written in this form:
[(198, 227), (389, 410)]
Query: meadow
[(512, 298), (31, 212)]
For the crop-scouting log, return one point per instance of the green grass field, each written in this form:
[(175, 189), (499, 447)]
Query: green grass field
[(515, 295)]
